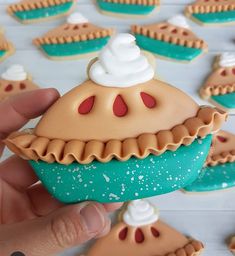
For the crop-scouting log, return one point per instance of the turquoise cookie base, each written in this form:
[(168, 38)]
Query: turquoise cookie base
[(214, 178), (44, 12), (216, 17), (226, 100), (76, 48), (118, 181), (131, 9), (2, 53), (168, 50)]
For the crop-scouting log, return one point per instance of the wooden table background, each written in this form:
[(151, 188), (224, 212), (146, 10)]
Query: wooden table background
[(211, 217)]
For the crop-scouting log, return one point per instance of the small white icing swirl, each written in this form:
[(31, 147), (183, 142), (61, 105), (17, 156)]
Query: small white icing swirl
[(180, 21), (227, 59), (140, 213), (121, 64), (15, 73), (77, 18)]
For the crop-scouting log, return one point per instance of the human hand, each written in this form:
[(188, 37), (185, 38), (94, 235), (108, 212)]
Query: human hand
[(31, 221)]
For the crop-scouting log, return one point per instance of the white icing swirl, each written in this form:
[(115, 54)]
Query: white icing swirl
[(140, 213), (227, 59), (77, 18), (15, 73), (121, 64), (180, 21)]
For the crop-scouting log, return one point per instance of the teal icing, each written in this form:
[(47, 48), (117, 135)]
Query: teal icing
[(131, 9), (75, 48), (118, 181), (44, 12), (216, 17), (226, 100), (214, 178), (2, 53), (166, 49)]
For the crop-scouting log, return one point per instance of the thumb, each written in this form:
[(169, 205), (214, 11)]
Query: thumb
[(67, 227)]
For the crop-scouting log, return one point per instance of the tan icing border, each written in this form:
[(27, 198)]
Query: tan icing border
[(29, 146), (134, 2), (198, 43), (26, 6), (207, 91), (222, 158), (198, 8), (103, 32)]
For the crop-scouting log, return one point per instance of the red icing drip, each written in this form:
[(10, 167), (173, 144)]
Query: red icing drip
[(22, 86), (86, 106), (123, 234), (120, 108), (174, 31), (139, 236), (223, 73), (185, 33), (233, 70), (148, 100), (9, 88), (76, 27), (221, 139), (155, 232)]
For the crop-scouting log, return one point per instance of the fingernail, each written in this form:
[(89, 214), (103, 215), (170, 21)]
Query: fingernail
[(94, 218)]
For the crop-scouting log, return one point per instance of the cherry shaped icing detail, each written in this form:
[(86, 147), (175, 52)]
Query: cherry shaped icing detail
[(120, 108), (233, 70), (9, 88), (148, 100), (223, 73), (139, 236), (155, 232), (222, 139), (22, 86), (123, 234), (86, 106)]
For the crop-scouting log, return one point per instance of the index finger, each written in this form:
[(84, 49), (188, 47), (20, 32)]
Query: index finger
[(18, 110)]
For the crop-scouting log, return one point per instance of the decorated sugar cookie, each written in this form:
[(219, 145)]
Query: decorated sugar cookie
[(92, 144), (75, 39), (171, 40), (129, 8), (219, 88), (212, 12), (14, 81), (30, 11), (141, 233), (6, 47), (219, 172)]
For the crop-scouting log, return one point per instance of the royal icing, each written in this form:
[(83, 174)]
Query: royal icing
[(140, 213), (77, 18), (179, 20), (121, 64), (227, 59), (15, 73)]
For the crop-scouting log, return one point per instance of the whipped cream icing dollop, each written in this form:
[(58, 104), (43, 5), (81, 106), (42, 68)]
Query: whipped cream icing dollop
[(77, 18), (15, 73), (140, 213), (179, 20), (227, 59), (121, 64)]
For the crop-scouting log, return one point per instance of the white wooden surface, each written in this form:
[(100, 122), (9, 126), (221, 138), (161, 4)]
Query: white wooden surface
[(210, 218)]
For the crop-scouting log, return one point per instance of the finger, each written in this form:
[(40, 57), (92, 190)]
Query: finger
[(16, 111), (65, 228), (42, 202), (112, 207), (17, 172)]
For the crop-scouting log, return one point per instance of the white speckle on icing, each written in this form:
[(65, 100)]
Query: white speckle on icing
[(140, 177), (107, 179), (224, 185)]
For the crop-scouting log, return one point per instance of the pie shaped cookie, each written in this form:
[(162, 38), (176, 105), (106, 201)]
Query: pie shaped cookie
[(6, 48), (219, 88), (219, 172), (121, 135), (129, 8), (14, 81), (30, 11), (171, 40), (212, 12), (141, 233), (76, 38)]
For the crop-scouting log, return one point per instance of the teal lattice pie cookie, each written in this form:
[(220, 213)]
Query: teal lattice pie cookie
[(212, 12), (121, 135), (76, 38), (219, 87), (30, 11), (170, 40), (219, 172), (128, 8)]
